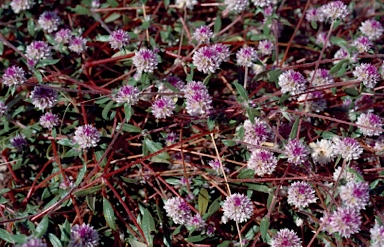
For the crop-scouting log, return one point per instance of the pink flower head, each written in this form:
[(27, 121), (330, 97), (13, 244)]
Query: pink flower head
[(314, 14), (84, 235), (86, 136), (301, 194), (238, 207), (63, 36), (262, 162), (38, 50), (236, 6), (362, 43), (372, 29), (370, 120), (198, 100), (127, 94), (335, 10), (292, 82), (296, 152), (178, 210), (322, 77), (13, 75), (43, 98), (49, 120), (118, 39), (286, 238), (348, 148), (77, 44), (49, 21), (145, 60), (206, 59), (265, 47), (163, 107), (256, 133), (21, 5), (345, 221), (246, 56), (262, 3), (222, 50), (19, 142), (202, 34), (367, 73), (355, 194)]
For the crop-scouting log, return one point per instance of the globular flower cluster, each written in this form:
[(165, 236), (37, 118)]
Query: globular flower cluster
[(246, 56), (340, 54), (145, 60), (377, 235), (43, 97), (38, 50), (265, 47), (186, 3), (215, 164), (33, 242), (163, 107), (49, 21), (344, 221), (196, 222), (292, 82), (19, 142), (178, 210), (285, 238), (127, 94), (372, 29), (118, 39), (370, 120), (262, 3), (83, 235), (13, 76), (202, 34), (255, 133), (322, 77), (367, 73), (49, 120), (314, 101), (344, 174), (322, 151), (208, 59), (362, 44), (236, 6), (355, 194), (335, 10), (63, 36), (86, 136), (321, 39), (348, 148), (262, 162), (301, 194), (77, 44), (238, 207), (314, 14), (198, 100), (296, 152), (21, 5)]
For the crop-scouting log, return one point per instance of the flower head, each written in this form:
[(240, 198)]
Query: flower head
[(38, 50), (296, 152), (118, 39), (348, 148), (163, 107), (215, 164), (262, 3), (178, 210), (186, 3), (198, 100), (83, 236), (3, 108), (377, 235), (49, 21), (145, 60), (367, 73), (77, 44), (127, 94), (20, 5), (170, 139), (321, 38), (34, 242), (262, 162), (335, 10), (206, 59), (265, 47), (344, 174), (370, 120), (63, 36), (292, 82), (315, 101), (372, 29), (236, 6), (257, 132), (340, 54), (19, 142), (314, 14), (355, 194), (196, 222), (322, 151), (301, 194), (13, 76), (246, 56), (202, 34), (49, 120), (345, 221), (322, 77), (43, 98), (238, 207), (286, 238), (362, 43), (86, 136)]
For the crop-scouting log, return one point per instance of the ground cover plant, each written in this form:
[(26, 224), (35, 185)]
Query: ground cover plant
[(191, 123)]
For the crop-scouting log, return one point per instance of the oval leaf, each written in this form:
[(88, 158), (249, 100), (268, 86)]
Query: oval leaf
[(41, 227), (109, 214)]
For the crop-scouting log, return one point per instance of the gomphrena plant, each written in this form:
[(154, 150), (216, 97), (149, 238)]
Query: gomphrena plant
[(191, 123)]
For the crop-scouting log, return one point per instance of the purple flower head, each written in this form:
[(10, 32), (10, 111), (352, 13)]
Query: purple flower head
[(145, 60), (262, 3), (202, 34), (301, 194), (322, 77), (238, 207), (49, 21), (268, 11), (171, 138), (83, 236), (163, 107), (377, 235), (314, 14), (285, 238), (341, 54), (363, 44), (315, 101), (13, 76), (265, 47), (38, 50), (345, 221), (236, 6), (198, 100), (215, 164), (86, 136), (49, 120), (77, 44), (178, 210), (246, 56), (19, 142), (344, 174), (63, 36), (256, 133), (118, 39), (292, 82), (334, 10), (296, 152), (262, 162), (322, 151), (176, 82), (222, 51), (196, 222), (43, 98), (370, 120), (21, 5), (127, 94), (186, 3), (33, 242), (206, 59), (355, 194), (321, 38), (3, 108), (348, 148), (367, 73), (372, 29)]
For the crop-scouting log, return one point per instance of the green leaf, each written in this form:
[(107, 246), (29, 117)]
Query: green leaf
[(242, 92), (154, 147), (217, 26), (91, 202), (19, 238), (113, 3), (128, 110), (258, 187), (38, 75), (202, 201), (314, 24), (81, 174), (106, 110), (113, 17), (135, 243), (148, 226), (1, 48), (131, 128), (41, 228), (55, 241), (338, 41), (213, 208), (273, 75), (65, 230), (229, 143), (88, 191), (65, 142), (246, 173), (264, 226), (46, 62), (211, 123), (31, 26), (294, 130), (177, 230), (81, 10), (337, 66), (109, 215), (225, 243), (198, 238), (351, 91), (6, 236)]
